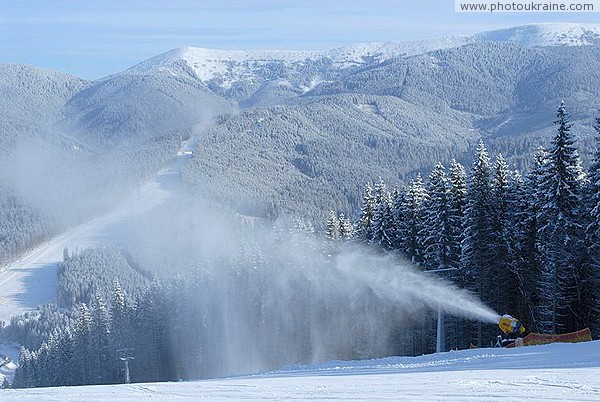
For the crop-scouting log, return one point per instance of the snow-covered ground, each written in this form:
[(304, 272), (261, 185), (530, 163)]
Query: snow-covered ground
[(32, 280), (557, 372)]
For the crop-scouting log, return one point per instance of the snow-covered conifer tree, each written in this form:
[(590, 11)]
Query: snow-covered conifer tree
[(332, 228), (593, 234), (457, 335), (437, 231), (563, 291), (410, 217), (22, 372), (458, 193), (364, 230), (103, 356), (476, 250), (502, 287), (66, 350), (521, 240), (82, 357), (120, 319), (383, 224), (346, 229)]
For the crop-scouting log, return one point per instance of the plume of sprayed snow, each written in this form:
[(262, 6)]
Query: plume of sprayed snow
[(398, 281), (267, 297)]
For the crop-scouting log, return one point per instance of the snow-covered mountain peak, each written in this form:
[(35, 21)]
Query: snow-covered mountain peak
[(224, 68), (545, 34), (230, 66)]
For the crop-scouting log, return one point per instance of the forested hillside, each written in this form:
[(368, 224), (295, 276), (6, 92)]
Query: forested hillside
[(20, 227), (524, 244), (395, 118)]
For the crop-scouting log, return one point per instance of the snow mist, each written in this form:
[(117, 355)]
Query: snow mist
[(399, 282), (258, 298)]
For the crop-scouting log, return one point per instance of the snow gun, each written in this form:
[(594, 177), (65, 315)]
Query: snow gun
[(510, 325)]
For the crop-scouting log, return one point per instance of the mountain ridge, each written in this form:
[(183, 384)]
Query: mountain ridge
[(323, 125), (545, 34), (229, 66)]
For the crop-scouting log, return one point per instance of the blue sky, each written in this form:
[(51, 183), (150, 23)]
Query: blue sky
[(92, 38)]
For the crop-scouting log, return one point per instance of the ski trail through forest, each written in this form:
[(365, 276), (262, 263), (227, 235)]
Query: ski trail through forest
[(32, 280)]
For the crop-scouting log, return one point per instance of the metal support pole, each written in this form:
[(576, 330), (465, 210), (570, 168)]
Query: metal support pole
[(127, 378), (125, 355), (440, 344)]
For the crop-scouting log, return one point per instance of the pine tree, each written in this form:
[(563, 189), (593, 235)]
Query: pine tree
[(564, 291), (151, 346), (522, 249), (504, 291), (21, 374), (398, 203), (42, 367), (120, 319), (100, 341), (332, 229), (55, 363), (410, 216), (457, 328), (457, 202), (346, 229), (67, 374), (82, 356), (437, 228), (364, 230), (525, 263), (593, 234), (383, 223), (529, 257), (476, 252)]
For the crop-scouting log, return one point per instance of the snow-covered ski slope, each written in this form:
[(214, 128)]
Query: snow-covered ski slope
[(557, 372), (32, 280)]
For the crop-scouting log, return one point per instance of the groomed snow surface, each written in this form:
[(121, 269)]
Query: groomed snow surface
[(557, 372)]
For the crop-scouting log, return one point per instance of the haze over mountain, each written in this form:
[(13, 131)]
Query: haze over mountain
[(315, 125)]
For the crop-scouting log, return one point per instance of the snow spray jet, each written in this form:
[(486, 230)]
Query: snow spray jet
[(261, 297), (399, 281)]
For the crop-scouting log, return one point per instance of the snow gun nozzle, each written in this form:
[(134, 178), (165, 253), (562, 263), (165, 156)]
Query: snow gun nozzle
[(510, 325)]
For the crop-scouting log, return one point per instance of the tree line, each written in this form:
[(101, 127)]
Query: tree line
[(526, 245), (258, 308), (21, 226)]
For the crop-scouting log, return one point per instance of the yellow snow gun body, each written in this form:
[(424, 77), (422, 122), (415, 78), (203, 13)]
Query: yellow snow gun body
[(510, 325)]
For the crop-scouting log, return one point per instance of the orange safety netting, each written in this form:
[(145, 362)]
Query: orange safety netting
[(583, 335)]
